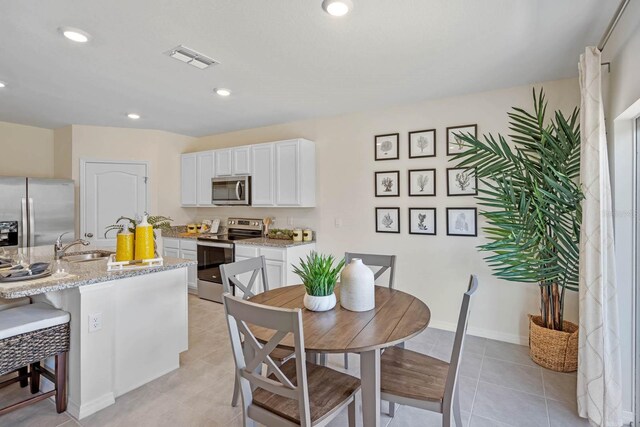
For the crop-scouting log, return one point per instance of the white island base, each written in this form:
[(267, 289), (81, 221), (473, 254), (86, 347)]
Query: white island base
[(140, 332)]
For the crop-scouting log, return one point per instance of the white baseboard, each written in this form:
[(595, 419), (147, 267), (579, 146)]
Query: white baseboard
[(627, 418), (90, 408), (483, 333)]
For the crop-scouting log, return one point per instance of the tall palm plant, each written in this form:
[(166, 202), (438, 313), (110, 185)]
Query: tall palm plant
[(533, 201)]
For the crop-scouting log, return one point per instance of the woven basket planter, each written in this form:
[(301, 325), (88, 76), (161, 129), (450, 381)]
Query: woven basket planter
[(555, 350)]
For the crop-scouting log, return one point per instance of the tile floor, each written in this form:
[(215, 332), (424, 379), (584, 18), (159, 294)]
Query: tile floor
[(499, 386)]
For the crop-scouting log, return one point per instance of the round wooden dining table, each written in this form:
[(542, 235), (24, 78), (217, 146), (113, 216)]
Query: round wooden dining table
[(397, 317)]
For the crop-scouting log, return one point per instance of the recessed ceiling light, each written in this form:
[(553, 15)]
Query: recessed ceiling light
[(2, 84), (222, 91), (75, 34), (133, 116), (337, 7)]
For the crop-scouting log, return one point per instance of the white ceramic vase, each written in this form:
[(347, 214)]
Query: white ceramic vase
[(357, 287), (323, 303)]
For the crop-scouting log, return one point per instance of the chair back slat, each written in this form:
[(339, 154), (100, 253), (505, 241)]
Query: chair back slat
[(451, 386), (385, 262), (240, 314), (256, 266)]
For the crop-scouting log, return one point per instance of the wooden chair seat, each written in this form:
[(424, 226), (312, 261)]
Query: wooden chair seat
[(327, 390), (281, 355), (412, 375)]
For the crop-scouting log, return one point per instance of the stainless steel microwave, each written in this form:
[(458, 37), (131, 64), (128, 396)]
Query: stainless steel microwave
[(233, 190)]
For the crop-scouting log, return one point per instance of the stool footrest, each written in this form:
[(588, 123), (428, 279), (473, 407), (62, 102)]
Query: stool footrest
[(26, 402)]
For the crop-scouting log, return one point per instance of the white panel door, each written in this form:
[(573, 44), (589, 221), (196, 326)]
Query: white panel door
[(241, 161), (263, 177), (171, 252), (287, 173), (204, 175), (223, 162), (109, 190), (276, 274), (188, 179), (192, 271)]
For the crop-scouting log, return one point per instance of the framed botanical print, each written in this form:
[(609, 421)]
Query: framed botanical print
[(422, 182), (454, 144), (462, 222), (422, 143), (387, 220), (387, 146), (462, 182), (387, 183), (422, 221)]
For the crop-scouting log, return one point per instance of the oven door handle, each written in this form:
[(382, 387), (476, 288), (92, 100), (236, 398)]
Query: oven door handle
[(216, 245)]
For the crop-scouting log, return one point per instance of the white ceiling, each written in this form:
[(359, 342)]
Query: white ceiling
[(284, 60)]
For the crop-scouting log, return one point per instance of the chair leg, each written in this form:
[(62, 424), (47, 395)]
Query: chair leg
[(23, 373), (456, 408), (392, 409), (35, 377), (346, 361), (61, 382), (353, 413), (236, 393)]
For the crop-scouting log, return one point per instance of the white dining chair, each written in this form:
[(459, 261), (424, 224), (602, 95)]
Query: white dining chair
[(296, 393), (414, 379), (257, 267)]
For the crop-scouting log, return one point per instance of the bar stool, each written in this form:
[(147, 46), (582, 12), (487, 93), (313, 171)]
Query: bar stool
[(28, 334)]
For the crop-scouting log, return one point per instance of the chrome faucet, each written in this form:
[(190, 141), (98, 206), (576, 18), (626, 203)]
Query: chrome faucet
[(59, 250)]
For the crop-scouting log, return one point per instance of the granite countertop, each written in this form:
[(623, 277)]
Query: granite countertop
[(81, 273), (179, 232), (275, 243)]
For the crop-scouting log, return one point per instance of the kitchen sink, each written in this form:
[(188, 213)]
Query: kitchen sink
[(96, 255)]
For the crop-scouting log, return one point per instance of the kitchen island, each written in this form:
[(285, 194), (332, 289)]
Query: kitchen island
[(127, 328)]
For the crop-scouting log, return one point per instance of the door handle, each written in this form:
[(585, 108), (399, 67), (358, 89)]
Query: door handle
[(88, 235), (32, 228), (238, 190)]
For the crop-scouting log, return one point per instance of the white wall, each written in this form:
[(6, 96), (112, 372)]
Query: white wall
[(435, 268), (623, 104), (25, 151)]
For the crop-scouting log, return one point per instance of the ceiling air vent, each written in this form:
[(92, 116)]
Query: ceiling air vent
[(191, 57)]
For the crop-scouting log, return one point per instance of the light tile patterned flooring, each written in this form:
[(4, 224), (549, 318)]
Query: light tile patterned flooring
[(499, 386)]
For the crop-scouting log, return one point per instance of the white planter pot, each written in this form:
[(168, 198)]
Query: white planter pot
[(357, 287), (324, 303)]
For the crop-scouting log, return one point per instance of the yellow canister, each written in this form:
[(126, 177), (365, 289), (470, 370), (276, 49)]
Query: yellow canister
[(124, 245), (144, 240)]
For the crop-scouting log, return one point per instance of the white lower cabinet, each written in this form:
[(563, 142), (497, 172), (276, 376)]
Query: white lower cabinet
[(279, 269), (185, 249)]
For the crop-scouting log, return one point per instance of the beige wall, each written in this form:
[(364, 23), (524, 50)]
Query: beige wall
[(26, 151), (160, 149), (434, 268)]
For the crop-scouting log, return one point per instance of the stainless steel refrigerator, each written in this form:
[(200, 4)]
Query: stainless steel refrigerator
[(35, 211)]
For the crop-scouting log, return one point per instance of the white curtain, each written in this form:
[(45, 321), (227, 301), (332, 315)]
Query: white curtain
[(599, 382)]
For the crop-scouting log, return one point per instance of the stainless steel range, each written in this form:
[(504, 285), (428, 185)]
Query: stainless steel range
[(217, 249)]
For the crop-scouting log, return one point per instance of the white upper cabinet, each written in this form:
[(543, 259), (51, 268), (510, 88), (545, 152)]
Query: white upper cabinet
[(263, 177), (205, 169), (295, 173), (189, 178), (223, 162), (241, 161), (283, 173)]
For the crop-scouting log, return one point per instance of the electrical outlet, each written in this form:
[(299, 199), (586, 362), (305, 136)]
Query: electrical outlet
[(95, 322), (338, 222)]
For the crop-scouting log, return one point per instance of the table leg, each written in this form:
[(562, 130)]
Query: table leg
[(370, 382)]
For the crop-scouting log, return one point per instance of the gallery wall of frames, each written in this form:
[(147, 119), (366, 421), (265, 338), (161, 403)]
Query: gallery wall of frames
[(421, 183)]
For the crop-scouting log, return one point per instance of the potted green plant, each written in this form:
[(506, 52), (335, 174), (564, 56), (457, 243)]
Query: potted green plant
[(319, 275), (533, 213)]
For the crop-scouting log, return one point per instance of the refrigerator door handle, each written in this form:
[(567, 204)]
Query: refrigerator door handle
[(31, 224), (25, 227)]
